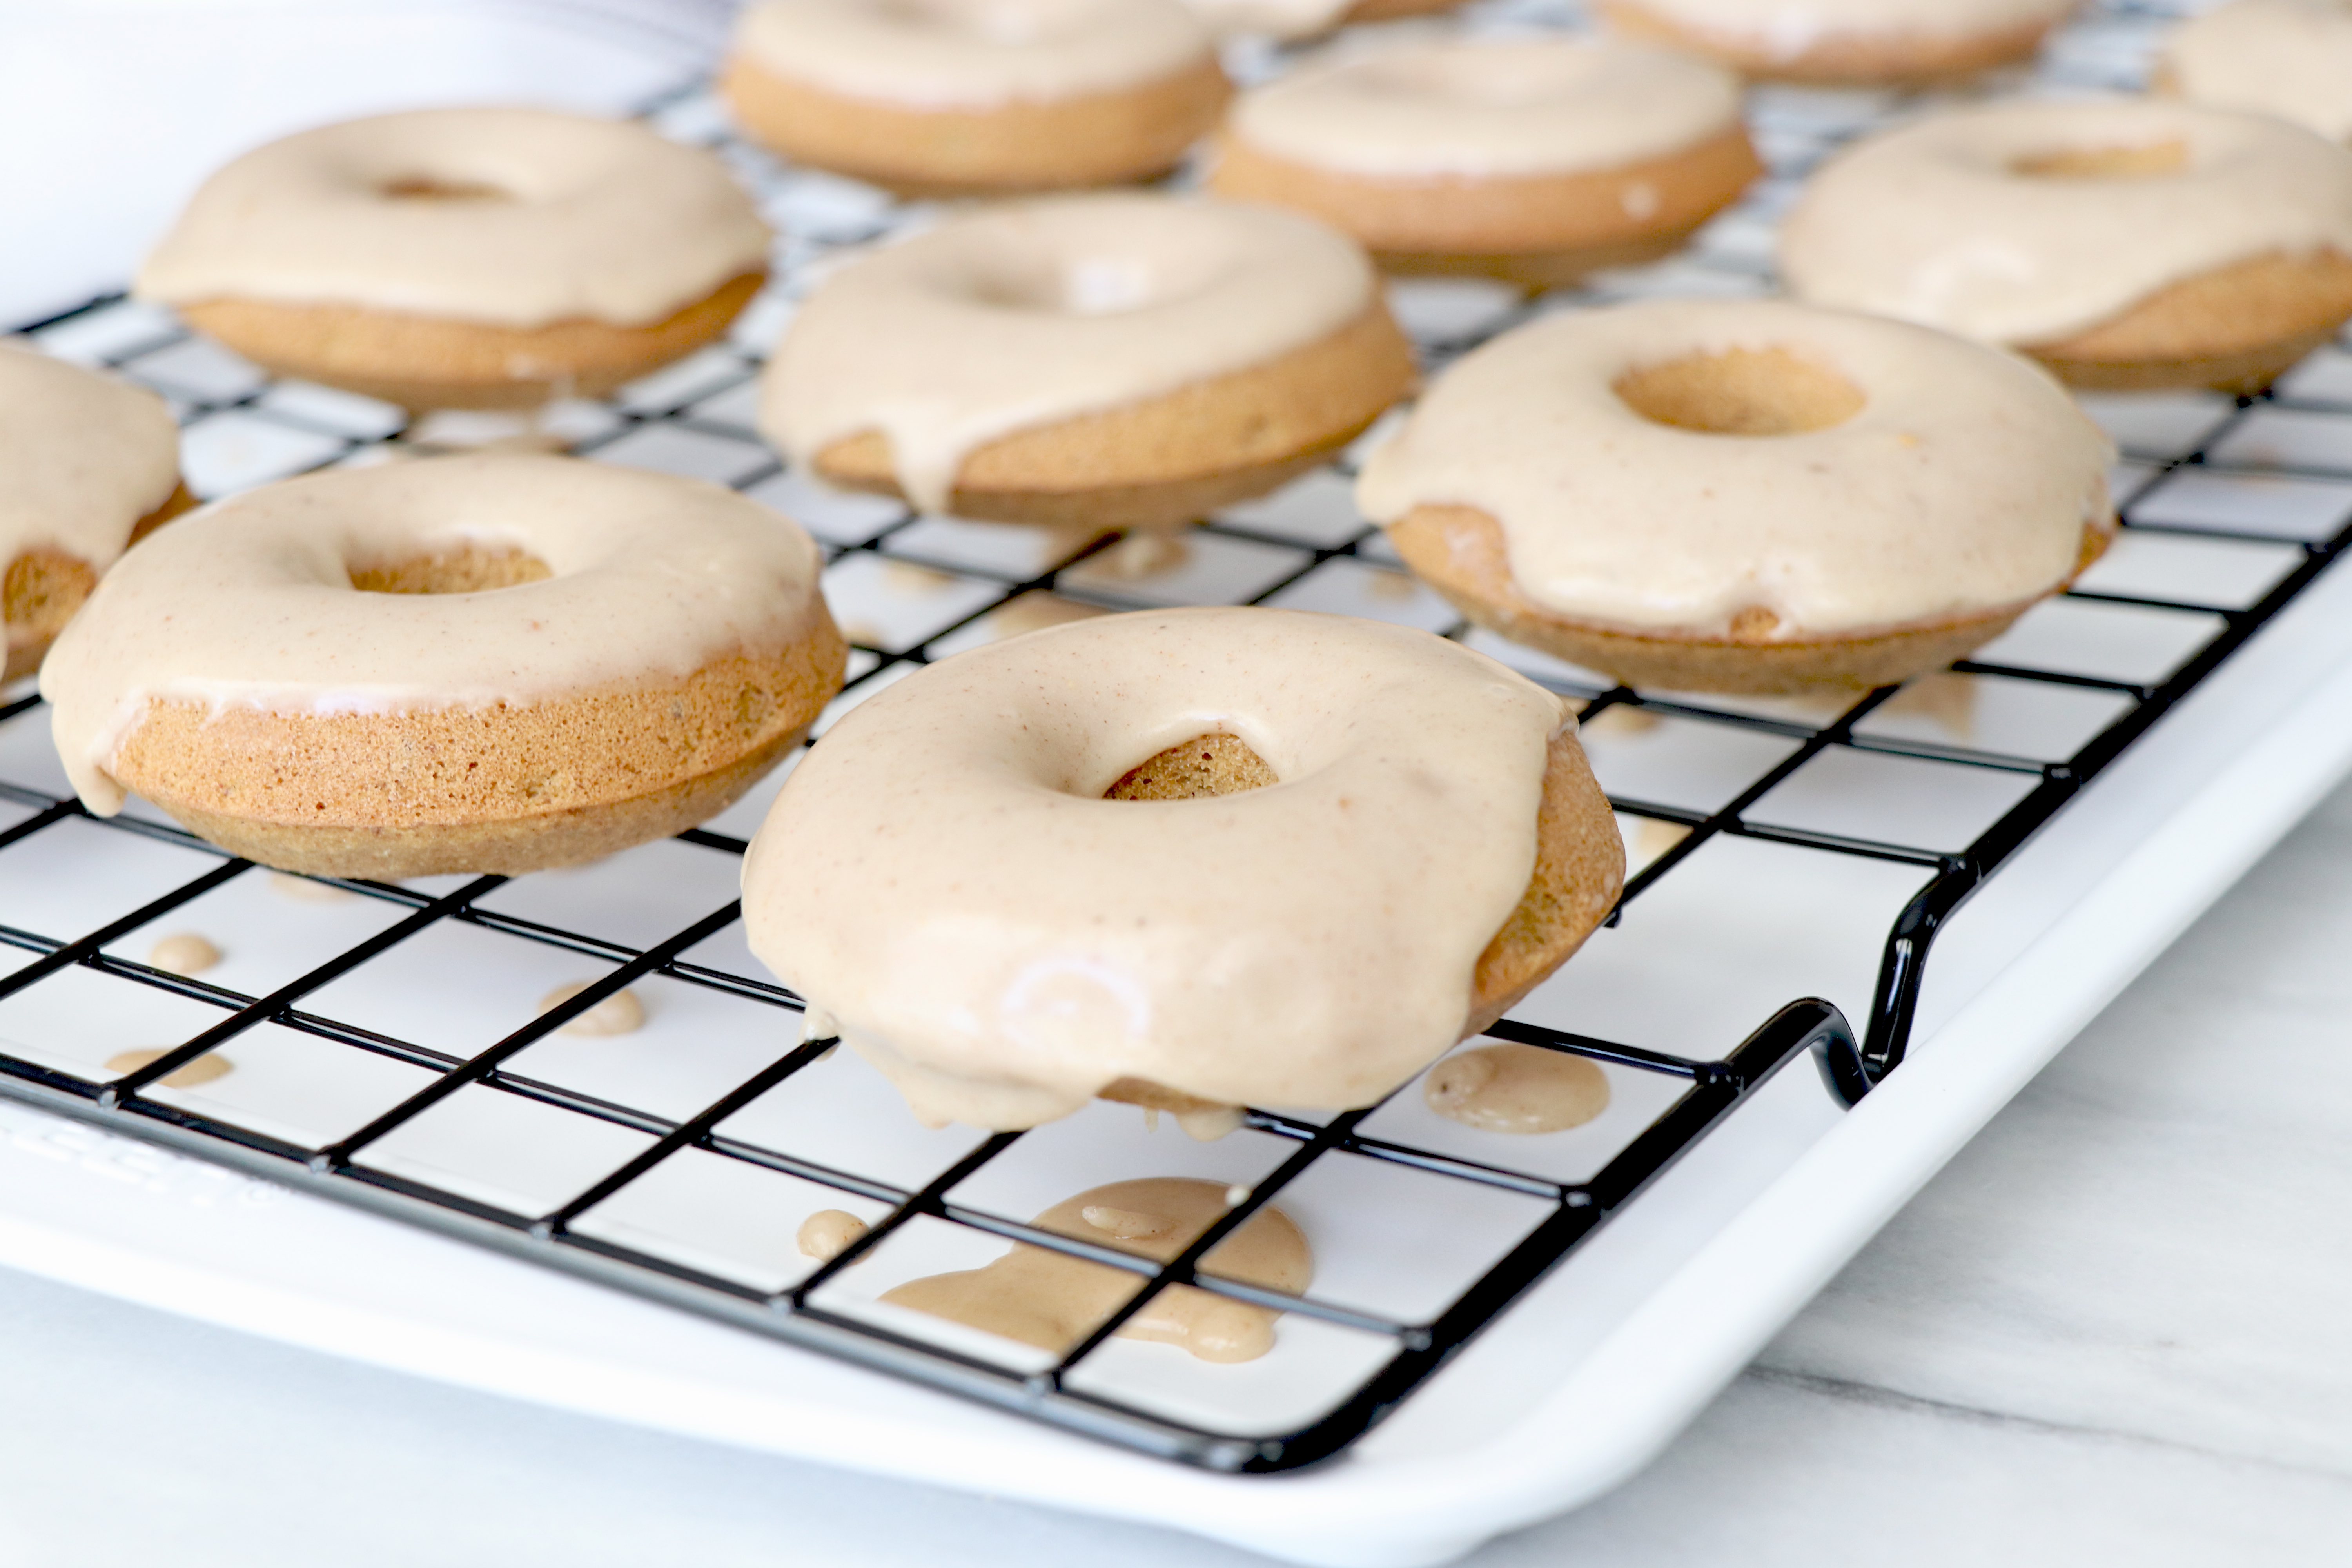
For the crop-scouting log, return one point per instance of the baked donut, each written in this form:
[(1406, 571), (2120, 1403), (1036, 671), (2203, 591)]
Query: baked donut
[(1847, 42), (977, 96), (465, 257), (1743, 495), (1289, 21), (491, 663), (88, 465), (2123, 243), (1213, 857), (2288, 57), (1532, 160), (1119, 360)]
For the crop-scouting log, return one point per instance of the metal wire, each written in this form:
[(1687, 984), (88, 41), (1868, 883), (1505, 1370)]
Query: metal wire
[(695, 408)]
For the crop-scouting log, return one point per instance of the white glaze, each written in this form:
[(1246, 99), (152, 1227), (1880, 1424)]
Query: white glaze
[(942, 876), (1034, 312), (2288, 57), (249, 602), (1489, 106), (606, 221), (83, 456), (1931, 222), (972, 54), (1963, 484), (1784, 29)]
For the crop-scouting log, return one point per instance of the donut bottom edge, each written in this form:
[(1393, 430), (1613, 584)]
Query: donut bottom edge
[(1535, 230), (1461, 552), (1096, 139), (41, 589), (422, 361), (2235, 329), (451, 790), (509, 847), (1176, 458), (1839, 59)]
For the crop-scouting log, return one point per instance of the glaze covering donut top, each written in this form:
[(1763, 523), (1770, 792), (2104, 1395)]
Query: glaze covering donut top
[(516, 217), (83, 456), (1936, 223), (972, 54), (942, 877), (1037, 311), (2288, 57), (1963, 482), (250, 603), (1789, 28), (1488, 106)]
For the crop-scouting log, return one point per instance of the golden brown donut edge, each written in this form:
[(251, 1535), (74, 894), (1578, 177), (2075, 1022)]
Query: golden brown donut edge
[(1461, 552), (1176, 458), (430, 362), (1539, 231), (1097, 139), (500, 789)]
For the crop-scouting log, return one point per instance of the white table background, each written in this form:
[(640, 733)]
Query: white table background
[(2115, 1330)]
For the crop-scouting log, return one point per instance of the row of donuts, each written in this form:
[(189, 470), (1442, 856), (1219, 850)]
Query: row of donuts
[(1135, 361), (1077, 91)]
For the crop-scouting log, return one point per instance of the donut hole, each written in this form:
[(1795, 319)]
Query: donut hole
[(1740, 392), (429, 188), (2141, 163), (469, 568), (1211, 763)]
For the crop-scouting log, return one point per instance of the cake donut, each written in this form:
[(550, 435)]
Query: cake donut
[(88, 465), (1183, 858), (1743, 495), (1532, 160), (1847, 42), (2288, 57), (1116, 360), (977, 96), (491, 663), (465, 257), (2124, 244)]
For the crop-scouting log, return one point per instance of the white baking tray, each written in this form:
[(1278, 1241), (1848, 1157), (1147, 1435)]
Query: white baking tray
[(1580, 1381)]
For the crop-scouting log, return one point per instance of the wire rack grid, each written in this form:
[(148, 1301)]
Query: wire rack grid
[(379, 1044)]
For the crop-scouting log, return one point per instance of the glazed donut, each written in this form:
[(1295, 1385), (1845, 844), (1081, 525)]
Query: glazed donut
[(492, 663), (465, 257), (1007, 881), (1743, 496), (1535, 161), (2124, 242), (977, 96), (88, 465), (1121, 361), (1289, 21), (2288, 57), (1847, 42)]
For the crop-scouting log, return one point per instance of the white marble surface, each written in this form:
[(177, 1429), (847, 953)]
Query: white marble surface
[(2111, 1332)]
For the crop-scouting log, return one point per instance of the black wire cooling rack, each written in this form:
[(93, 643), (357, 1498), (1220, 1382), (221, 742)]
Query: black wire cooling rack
[(2231, 507)]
